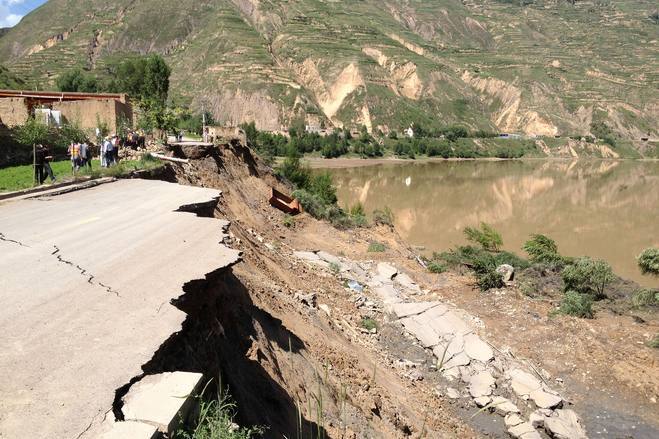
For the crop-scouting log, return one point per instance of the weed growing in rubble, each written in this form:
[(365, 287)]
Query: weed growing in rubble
[(288, 221), (334, 268), (654, 343), (436, 267), (215, 421), (577, 305), (369, 324), (376, 247)]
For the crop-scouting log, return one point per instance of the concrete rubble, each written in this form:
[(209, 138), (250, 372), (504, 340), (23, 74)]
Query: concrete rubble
[(493, 379), (163, 400)]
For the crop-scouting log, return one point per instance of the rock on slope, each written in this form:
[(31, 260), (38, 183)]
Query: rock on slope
[(537, 69)]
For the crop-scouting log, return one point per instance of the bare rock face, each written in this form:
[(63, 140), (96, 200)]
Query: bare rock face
[(565, 424)]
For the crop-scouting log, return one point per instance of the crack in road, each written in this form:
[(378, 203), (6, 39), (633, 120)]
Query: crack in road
[(4, 238), (83, 272)]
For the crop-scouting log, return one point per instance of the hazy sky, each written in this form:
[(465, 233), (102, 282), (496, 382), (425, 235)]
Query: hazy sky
[(11, 11)]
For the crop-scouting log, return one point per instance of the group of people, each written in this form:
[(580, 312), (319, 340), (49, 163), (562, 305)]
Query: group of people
[(109, 153), (81, 156)]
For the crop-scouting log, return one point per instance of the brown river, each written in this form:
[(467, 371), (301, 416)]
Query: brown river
[(603, 209)]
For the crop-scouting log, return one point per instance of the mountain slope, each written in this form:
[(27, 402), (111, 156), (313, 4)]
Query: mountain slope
[(550, 67)]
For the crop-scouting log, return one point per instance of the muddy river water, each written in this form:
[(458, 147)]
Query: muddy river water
[(604, 209)]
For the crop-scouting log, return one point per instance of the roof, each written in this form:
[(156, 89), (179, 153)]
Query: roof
[(60, 96)]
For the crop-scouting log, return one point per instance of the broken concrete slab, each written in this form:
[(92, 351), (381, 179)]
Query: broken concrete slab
[(388, 295), (482, 401), (444, 323), (330, 259), (477, 349), (412, 308), (407, 283), (128, 429), (512, 420), (311, 257), (423, 333), (503, 406), (524, 431), (545, 399), (481, 384), (565, 424), (527, 386), (446, 350), (461, 359), (163, 399), (452, 393), (386, 271)]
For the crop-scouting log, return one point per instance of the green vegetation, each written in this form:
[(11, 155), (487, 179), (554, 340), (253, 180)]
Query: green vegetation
[(376, 247), (383, 216), (654, 343), (369, 323), (588, 277), (216, 421), (648, 261), (334, 268), (488, 238), (577, 305), (288, 221), (10, 81), (483, 260), (22, 177), (543, 250), (436, 267), (645, 297), (317, 194)]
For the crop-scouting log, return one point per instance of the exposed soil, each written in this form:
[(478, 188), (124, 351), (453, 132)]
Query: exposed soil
[(281, 357)]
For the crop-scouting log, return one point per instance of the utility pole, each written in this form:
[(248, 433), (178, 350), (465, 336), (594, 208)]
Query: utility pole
[(203, 123)]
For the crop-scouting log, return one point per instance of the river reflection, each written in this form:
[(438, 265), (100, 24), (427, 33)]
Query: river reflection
[(604, 209)]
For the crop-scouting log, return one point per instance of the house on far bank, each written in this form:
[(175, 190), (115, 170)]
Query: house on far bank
[(87, 110)]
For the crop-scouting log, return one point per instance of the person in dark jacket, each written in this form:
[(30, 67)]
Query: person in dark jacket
[(42, 162)]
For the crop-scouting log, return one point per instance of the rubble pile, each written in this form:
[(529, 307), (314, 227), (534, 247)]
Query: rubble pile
[(493, 379)]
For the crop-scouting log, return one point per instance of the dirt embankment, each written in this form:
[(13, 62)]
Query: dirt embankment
[(288, 338)]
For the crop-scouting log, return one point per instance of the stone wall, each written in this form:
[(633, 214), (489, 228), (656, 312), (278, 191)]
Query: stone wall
[(13, 111)]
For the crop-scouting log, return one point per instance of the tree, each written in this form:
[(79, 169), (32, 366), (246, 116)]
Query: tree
[(487, 237), (77, 81), (156, 80)]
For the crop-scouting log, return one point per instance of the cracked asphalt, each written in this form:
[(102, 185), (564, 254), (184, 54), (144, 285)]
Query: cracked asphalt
[(86, 282)]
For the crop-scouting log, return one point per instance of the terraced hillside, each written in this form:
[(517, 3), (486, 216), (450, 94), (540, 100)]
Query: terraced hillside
[(548, 67)]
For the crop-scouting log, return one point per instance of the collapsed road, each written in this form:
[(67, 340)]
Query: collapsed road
[(86, 285)]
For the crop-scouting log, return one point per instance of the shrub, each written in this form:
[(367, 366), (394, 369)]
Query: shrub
[(588, 276), (509, 258), (376, 247), (288, 221), (648, 261), (489, 279), (334, 268), (369, 324), (322, 186), (654, 343), (645, 297), (357, 210), (487, 237), (577, 305), (543, 250), (436, 267), (295, 172), (383, 216)]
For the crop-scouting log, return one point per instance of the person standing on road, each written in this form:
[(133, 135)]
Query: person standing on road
[(42, 168), (85, 155), (109, 152)]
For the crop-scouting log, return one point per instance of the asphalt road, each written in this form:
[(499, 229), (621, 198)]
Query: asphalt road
[(86, 280)]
